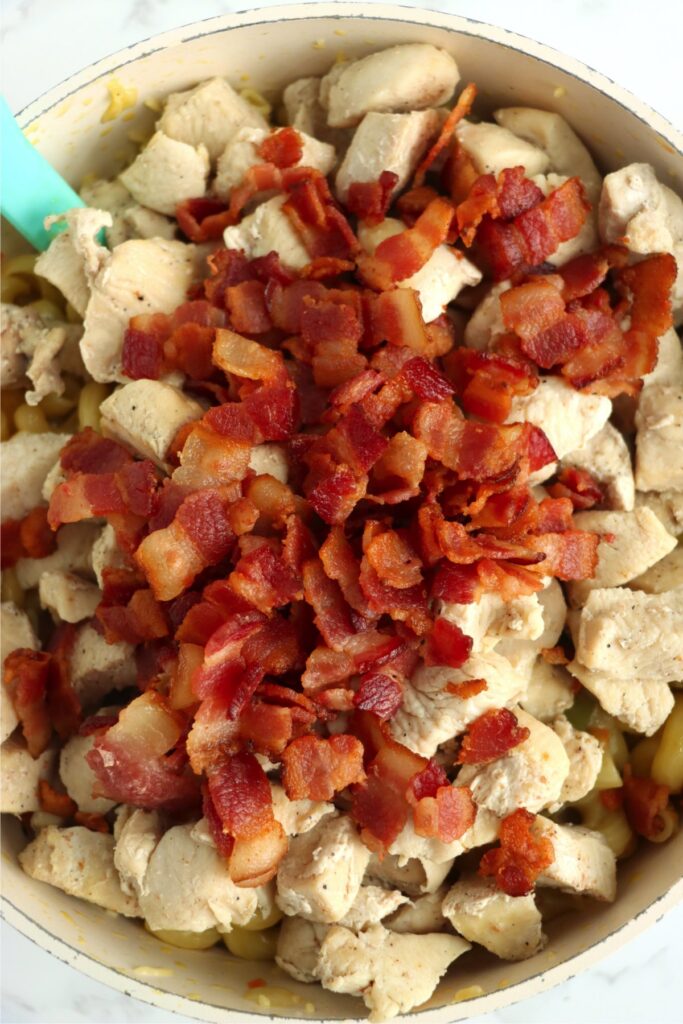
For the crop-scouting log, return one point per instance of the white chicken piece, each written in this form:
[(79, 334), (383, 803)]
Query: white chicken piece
[(665, 575), (26, 460), (415, 876), (146, 415), (265, 230), (322, 871), (43, 371), (137, 833), (585, 759), (38, 348), (607, 458), (643, 705), (97, 667), (297, 816), (667, 506), (392, 972), (511, 927), (74, 258), (241, 153), (53, 479), (106, 553), (412, 76), (430, 715), (408, 845), (68, 597), (78, 777), (439, 281), (302, 107), (20, 774), (166, 173), (569, 418), (587, 240), (659, 439), (298, 948), (491, 619), (208, 115), (492, 149), (150, 275), (270, 459), (129, 219), (550, 691), (73, 554), (583, 863), (15, 631), (422, 916), (386, 142), (486, 320), (371, 905), (523, 654), (14, 325), (81, 863), (631, 634), (669, 366), (531, 775), (630, 543), (550, 132)]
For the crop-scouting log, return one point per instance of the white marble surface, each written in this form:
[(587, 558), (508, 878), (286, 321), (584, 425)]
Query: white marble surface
[(634, 43)]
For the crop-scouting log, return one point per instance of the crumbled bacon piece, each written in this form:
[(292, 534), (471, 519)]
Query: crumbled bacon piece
[(401, 256), (317, 769), (283, 147), (53, 802), (579, 486), (447, 645), (446, 815), (491, 736), (370, 200), (380, 694), (644, 801), (467, 688), (460, 110), (521, 857)]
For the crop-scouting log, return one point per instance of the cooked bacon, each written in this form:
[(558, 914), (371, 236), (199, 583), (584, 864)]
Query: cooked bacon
[(446, 815), (370, 200), (93, 822), (572, 555), (644, 802), (397, 474), (408, 604), (132, 489), (314, 768), (396, 317), (283, 147), (579, 486), (394, 560), (246, 305), (263, 579), (491, 736), (53, 802), (332, 614), (323, 228), (204, 219), (30, 537), (521, 857), (236, 354), (380, 694), (447, 645), (340, 564), (26, 676), (467, 688), (461, 109), (505, 197), (456, 583), (142, 618), (487, 383), (401, 256)]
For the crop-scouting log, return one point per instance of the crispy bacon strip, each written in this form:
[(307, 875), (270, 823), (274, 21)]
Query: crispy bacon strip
[(461, 109), (491, 736), (314, 768), (401, 256), (521, 857)]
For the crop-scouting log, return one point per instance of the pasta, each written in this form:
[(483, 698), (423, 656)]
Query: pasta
[(667, 762)]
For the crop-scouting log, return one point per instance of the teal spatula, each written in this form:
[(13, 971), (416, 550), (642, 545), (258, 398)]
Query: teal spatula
[(31, 188)]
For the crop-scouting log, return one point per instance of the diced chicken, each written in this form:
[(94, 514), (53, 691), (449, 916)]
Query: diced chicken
[(523, 654), (20, 774), (430, 715), (659, 439), (607, 458), (669, 366), (74, 258), (241, 153), (26, 460), (78, 777), (265, 230), (631, 542), (439, 281), (531, 775), (551, 133), (73, 554), (53, 479), (509, 926), (371, 905), (632, 634), (41, 819), (583, 862), (208, 115), (106, 553), (298, 948), (146, 415), (550, 691), (492, 149), (667, 506), (587, 240), (297, 816), (642, 704), (491, 619), (129, 219), (137, 833), (321, 873), (15, 631), (412, 76), (585, 758), (271, 459), (149, 275), (38, 348), (415, 877), (665, 575), (166, 173), (67, 596), (408, 845), (13, 326), (302, 107), (422, 916), (386, 142), (570, 418), (486, 320), (97, 667), (392, 972), (81, 863)]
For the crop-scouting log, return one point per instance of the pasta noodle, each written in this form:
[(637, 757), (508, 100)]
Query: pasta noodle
[(667, 763), (642, 756), (31, 418), (256, 99), (249, 945), (670, 821), (187, 940), (613, 825), (10, 589), (91, 397)]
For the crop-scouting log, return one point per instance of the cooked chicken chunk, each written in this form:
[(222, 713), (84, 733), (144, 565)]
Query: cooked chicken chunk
[(667, 506), (265, 230), (491, 619), (298, 948), (242, 153), (583, 862), (129, 219), (607, 458), (531, 775), (322, 871), (15, 631), (392, 972), (208, 115), (430, 715), (665, 575), (386, 142), (422, 916), (486, 320), (137, 833), (372, 903), (97, 667), (81, 863), (509, 926), (669, 366), (492, 149), (408, 845), (585, 758), (641, 704), (271, 459), (550, 691), (38, 348), (414, 876), (105, 553), (78, 777), (146, 415), (659, 439), (302, 108), (74, 258), (523, 654), (20, 774), (67, 596), (412, 77), (73, 554), (166, 173), (26, 461), (570, 418), (297, 816)]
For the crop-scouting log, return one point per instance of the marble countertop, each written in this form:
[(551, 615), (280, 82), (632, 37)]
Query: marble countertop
[(45, 41)]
